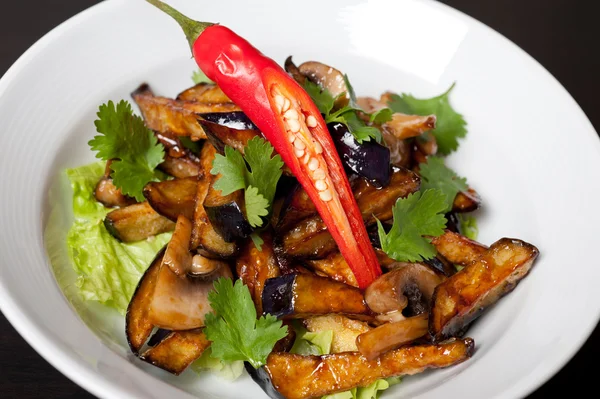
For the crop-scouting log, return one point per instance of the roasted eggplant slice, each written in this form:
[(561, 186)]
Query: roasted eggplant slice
[(296, 207), (407, 289), (177, 351), (234, 120), (296, 296), (386, 337), (204, 92), (178, 117), (302, 377), (172, 198), (463, 297), (179, 167), (263, 379), (345, 330), (177, 255), (181, 302), (335, 267), (466, 201), (458, 249), (158, 336), (221, 136), (404, 126), (226, 214), (137, 325), (254, 267), (136, 222), (309, 239), (370, 159)]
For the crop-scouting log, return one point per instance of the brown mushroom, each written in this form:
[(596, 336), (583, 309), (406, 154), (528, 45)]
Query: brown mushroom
[(328, 78), (407, 289)]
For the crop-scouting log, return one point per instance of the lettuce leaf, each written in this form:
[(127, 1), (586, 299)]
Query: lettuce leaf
[(319, 343), (226, 370), (108, 270)]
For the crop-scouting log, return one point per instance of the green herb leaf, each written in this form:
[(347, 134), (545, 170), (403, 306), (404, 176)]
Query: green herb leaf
[(135, 150), (381, 116), (434, 174), (321, 97), (450, 125), (360, 130), (200, 77), (468, 226), (235, 332), (416, 218), (256, 172), (257, 240)]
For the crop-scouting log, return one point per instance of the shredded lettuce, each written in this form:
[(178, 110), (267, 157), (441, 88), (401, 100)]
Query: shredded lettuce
[(226, 370), (108, 270), (319, 343)]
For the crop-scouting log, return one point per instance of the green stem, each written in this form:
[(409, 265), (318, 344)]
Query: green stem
[(191, 28)]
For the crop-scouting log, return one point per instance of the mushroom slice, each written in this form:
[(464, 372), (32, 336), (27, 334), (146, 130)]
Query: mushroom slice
[(377, 341), (181, 302), (408, 287), (328, 78), (404, 126), (293, 70), (179, 167), (302, 377), (463, 297), (108, 194), (458, 249), (177, 255)]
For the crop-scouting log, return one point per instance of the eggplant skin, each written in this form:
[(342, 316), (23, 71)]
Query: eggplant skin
[(177, 351), (136, 222), (263, 379), (463, 297), (137, 325), (295, 296), (302, 377)]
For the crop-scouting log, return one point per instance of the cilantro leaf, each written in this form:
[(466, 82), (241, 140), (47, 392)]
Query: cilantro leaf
[(435, 174), (468, 226), (257, 240), (360, 130), (256, 172), (381, 116), (200, 77), (235, 332), (256, 206), (450, 125), (320, 96), (416, 217), (134, 148), (351, 92)]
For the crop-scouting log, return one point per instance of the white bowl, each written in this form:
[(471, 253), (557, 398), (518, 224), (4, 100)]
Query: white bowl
[(530, 152)]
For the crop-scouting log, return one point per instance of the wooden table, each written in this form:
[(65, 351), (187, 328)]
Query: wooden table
[(562, 35)]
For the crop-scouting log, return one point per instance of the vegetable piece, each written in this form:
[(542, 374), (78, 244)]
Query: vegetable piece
[(203, 233), (329, 79), (434, 174), (182, 302), (179, 168), (297, 296), (466, 201), (177, 255), (226, 214), (289, 119), (450, 125), (178, 117), (386, 337), (172, 198), (263, 379), (310, 239), (257, 173), (300, 377), (221, 136), (204, 92), (404, 126), (132, 148), (158, 336), (408, 288), (468, 226), (234, 330), (464, 296), (108, 194), (255, 266), (335, 267), (345, 331), (137, 325), (458, 249), (415, 217), (370, 159), (234, 120), (136, 222), (177, 351), (293, 70), (296, 206)]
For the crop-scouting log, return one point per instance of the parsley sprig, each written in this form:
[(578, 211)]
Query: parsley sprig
[(416, 218), (133, 147), (256, 172), (347, 115), (233, 328), (450, 125), (434, 174)]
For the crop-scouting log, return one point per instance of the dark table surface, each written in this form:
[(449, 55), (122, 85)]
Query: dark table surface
[(562, 35)]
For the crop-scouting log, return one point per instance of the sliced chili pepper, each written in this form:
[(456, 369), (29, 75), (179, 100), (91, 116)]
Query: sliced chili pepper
[(289, 119)]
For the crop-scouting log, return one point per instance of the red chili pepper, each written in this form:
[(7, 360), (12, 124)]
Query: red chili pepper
[(289, 119)]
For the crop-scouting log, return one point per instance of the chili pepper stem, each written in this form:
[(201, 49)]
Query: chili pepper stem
[(191, 28)]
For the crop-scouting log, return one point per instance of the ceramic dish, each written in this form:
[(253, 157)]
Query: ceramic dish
[(531, 153)]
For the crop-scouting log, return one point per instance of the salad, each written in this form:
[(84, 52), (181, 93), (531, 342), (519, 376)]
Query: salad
[(268, 219)]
